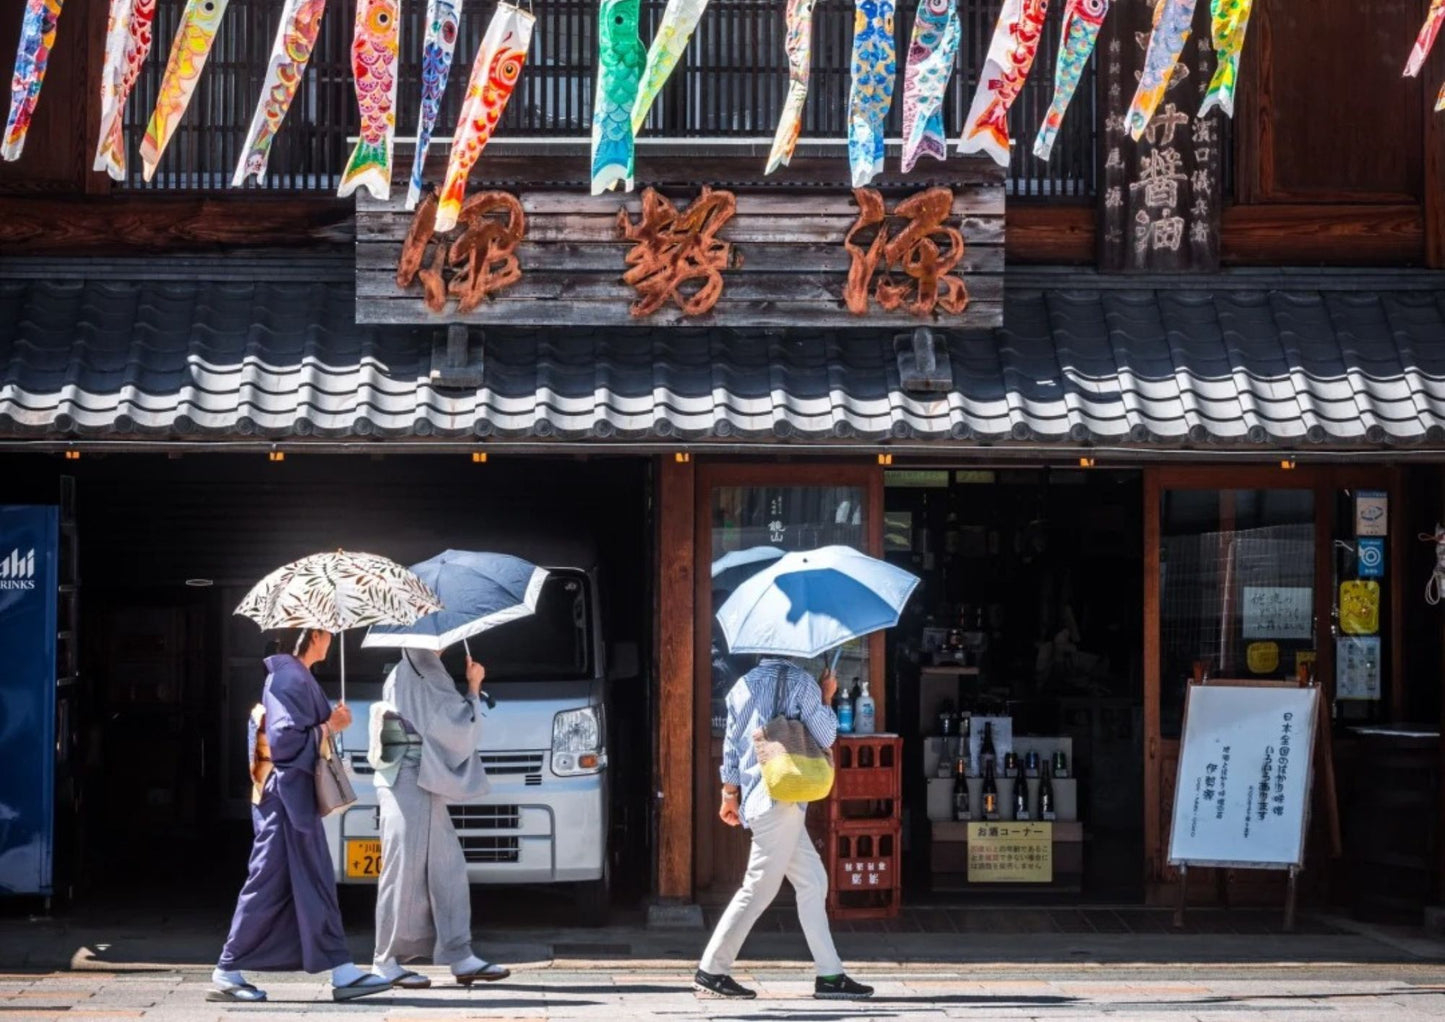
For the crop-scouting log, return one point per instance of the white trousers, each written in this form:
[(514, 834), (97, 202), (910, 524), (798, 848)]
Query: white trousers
[(781, 848)]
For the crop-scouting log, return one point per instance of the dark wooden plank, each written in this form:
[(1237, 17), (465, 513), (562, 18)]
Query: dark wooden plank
[(742, 315), (380, 257), (674, 671), (1050, 234), (1301, 234), (606, 288)]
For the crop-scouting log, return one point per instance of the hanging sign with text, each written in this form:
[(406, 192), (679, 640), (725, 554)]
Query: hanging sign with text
[(1242, 790), (1010, 853)]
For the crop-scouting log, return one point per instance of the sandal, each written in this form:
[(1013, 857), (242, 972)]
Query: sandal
[(488, 973), (366, 983), (411, 981), (245, 993)]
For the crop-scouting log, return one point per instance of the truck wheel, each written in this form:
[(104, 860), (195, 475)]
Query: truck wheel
[(594, 899)]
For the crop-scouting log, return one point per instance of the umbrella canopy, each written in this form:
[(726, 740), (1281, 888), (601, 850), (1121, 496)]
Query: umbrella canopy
[(729, 570), (807, 602), (336, 591), (480, 591)]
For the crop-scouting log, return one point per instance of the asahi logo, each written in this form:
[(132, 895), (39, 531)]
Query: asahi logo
[(17, 571)]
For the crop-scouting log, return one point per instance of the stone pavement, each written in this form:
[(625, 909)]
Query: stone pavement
[(1335, 970)]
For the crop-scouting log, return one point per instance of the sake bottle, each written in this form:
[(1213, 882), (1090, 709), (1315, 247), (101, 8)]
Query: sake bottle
[(1046, 794), (961, 810), (990, 793), (1021, 796)]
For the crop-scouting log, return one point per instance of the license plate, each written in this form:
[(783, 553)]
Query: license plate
[(363, 858)]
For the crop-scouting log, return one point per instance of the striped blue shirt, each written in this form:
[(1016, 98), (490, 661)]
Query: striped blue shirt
[(752, 702)]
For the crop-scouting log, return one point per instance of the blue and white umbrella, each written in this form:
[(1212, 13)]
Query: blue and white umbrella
[(809, 601), (478, 590)]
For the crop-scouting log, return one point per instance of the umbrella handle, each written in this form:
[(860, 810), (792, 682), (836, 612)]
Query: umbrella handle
[(341, 637), (837, 655)]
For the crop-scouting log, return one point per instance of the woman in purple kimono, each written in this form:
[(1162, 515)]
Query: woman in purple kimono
[(287, 918)]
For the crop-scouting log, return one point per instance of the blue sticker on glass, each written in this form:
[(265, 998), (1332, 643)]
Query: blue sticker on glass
[(1370, 557)]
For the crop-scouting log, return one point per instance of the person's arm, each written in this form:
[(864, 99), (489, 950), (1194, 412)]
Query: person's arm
[(729, 772), (290, 730), (817, 717)]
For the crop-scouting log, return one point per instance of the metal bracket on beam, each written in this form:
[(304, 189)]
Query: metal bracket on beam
[(456, 359), (923, 365)]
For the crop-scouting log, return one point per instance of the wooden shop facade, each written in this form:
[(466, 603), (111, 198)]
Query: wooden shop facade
[(1098, 403)]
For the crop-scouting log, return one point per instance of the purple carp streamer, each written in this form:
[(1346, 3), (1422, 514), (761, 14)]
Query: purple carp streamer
[(295, 39), (1173, 22), (195, 36), (932, 50), (436, 67), (1229, 20), (1011, 55), (1082, 21), (37, 36), (799, 47), (875, 66), (679, 21)]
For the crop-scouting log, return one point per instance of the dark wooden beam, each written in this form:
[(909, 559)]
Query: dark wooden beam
[(1312, 234), (1049, 234), (37, 225), (674, 622)]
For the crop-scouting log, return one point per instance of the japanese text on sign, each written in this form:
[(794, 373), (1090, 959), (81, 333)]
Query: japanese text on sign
[(1243, 782), (1010, 853)]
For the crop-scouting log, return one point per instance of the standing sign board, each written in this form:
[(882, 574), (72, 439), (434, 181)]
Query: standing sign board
[(1241, 796), (29, 545)]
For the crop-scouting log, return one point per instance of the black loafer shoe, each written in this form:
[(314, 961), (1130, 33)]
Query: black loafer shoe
[(708, 985), (840, 988)]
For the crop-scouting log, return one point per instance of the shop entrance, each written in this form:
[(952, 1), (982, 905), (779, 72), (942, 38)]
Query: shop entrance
[(1025, 635)]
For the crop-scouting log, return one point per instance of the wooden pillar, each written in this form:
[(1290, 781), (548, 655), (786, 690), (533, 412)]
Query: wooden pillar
[(674, 618), (1154, 861)]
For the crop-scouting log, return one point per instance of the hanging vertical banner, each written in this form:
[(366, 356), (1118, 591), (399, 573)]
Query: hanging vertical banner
[(495, 71), (37, 36), (679, 21), (29, 545), (1229, 20), (1082, 21), (127, 42), (295, 39), (1425, 41), (932, 50), (875, 66), (200, 22), (1011, 55), (436, 67), (621, 58), (1173, 21), (799, 47), (375, 41)]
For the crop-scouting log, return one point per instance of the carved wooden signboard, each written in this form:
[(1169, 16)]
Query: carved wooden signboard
[(1160, 196), (711, 243)]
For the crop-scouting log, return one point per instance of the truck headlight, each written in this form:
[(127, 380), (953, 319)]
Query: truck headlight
[(577, 742)]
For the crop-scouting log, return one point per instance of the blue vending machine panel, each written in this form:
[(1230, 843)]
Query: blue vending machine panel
[(29, 552)]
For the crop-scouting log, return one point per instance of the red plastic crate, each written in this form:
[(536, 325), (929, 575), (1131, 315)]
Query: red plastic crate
[(863, 858), (867, 767)]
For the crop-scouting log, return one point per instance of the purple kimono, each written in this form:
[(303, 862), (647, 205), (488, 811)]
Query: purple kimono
[(287, 918)]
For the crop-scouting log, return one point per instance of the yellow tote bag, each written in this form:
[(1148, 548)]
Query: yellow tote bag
[(795, 767)]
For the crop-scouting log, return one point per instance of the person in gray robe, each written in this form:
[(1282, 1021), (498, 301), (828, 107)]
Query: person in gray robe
[(424, 738)]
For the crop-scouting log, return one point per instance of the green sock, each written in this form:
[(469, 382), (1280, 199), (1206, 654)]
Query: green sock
[(830, 979)]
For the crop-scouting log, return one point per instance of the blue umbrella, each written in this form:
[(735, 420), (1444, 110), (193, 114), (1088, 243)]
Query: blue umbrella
[(478, 590), (807, 602)]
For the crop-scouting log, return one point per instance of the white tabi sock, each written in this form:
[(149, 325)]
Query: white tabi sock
[(223, 979), (387, 968), (344, 975), (469, 964)]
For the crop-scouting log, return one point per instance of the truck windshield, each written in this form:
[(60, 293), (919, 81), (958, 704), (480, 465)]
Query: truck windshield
[(552, 644)]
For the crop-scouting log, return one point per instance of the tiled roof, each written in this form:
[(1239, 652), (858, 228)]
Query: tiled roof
[(161, 354)]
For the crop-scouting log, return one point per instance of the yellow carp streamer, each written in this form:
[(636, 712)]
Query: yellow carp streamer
[(194, 39)]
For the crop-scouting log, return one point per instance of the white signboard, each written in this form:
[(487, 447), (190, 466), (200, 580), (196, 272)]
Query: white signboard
[(1242, 791), (1279, 612)]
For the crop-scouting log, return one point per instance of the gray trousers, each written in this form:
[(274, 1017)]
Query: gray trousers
[(423, 903), (781, 848)]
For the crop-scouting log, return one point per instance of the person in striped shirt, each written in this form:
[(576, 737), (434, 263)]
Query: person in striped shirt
[(780, 846)]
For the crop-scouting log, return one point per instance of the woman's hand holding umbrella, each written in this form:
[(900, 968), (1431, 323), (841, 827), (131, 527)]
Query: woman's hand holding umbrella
[(340, 718), (828, 682), (475, 673)]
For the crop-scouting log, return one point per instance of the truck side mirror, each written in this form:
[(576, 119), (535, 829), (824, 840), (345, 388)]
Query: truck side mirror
[(622, 661)]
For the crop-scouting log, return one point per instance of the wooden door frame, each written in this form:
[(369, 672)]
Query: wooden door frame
[(709, 476), (1324, 481)]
